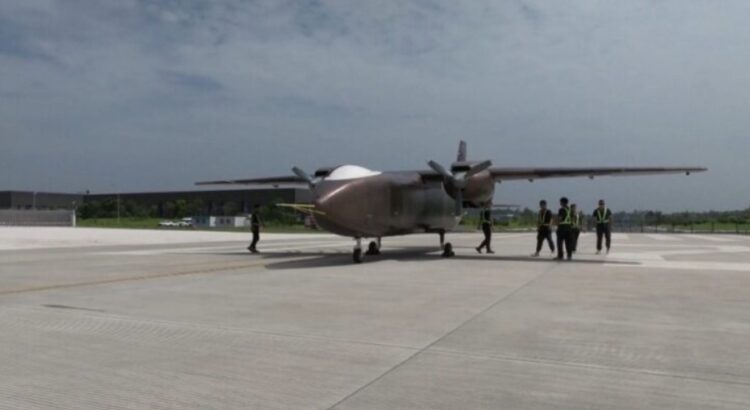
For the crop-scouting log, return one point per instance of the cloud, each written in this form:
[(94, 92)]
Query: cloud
[(193, 82), (103, 91)]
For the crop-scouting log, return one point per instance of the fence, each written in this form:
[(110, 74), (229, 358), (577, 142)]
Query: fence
[(741, 228), (16, 217)]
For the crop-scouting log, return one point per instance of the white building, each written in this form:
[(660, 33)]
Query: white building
[(221, 222)]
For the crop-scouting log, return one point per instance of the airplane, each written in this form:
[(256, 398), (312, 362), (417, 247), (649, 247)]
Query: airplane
[(360, 203)]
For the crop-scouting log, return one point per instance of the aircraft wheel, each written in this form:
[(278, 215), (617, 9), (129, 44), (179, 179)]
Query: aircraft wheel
[(448, 250), (373, 249), (357, 256)]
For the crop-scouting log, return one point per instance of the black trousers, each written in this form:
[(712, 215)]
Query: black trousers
[(576, 233), (487, 229), (603, 231), (256, 238), (544, 233), (564, 239)]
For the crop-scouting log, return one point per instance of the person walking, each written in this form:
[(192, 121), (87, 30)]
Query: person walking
[(544, 228), (485, 223), (603, 218), (576, 226), (255, 224), (564, 231)]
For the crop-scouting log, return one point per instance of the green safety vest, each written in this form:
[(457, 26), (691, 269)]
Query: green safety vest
[(601, 216), (577, 219), (566, 220)]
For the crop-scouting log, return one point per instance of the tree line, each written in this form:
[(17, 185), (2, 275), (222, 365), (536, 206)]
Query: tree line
[(180, 208)]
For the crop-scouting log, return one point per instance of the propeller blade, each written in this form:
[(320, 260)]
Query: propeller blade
[(302, 174), (439, 169), (477, 168)]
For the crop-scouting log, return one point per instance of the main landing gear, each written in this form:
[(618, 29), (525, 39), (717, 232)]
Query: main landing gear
[(446, 246), (372, 249)]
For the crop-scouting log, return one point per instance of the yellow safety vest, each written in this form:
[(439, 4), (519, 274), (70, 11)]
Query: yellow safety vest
[(601, 216), (566, 220)]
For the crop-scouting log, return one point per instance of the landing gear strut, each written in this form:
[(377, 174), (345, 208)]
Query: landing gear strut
[(357, 254)]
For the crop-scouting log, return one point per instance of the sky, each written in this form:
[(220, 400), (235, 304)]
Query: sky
[(137, 95)]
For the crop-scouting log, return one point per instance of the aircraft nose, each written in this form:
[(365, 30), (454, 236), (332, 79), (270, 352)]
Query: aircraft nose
[(330, 200)]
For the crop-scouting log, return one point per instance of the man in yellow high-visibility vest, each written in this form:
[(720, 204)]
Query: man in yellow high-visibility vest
[(564, 230), (603, 219), (576, 226), (544, 229)]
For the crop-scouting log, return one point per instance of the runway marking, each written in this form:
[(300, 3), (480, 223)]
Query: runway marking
[(710, 238), (687, 265), (661, 237), (656, 259)]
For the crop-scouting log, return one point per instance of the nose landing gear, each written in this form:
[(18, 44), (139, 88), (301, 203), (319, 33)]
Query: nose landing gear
[(448, 250), (373, 248), (447, 247)]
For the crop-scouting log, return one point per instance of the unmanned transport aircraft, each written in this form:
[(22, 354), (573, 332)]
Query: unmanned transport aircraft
[(356, 202)]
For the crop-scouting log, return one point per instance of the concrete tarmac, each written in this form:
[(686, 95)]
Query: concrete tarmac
[(106, 319)]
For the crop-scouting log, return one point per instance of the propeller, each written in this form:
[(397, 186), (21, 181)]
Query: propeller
[(454, 185), (304, 175)]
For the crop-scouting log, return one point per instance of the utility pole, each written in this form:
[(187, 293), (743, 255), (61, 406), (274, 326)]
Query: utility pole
[(118, 208)]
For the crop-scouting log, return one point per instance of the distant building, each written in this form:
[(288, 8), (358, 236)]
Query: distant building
[(219, 202), (39, 200)]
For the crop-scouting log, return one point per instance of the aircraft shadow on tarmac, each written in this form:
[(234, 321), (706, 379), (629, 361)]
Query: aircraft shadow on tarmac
[(317, 259)]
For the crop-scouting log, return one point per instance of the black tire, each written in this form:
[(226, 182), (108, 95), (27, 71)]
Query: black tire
[(357, 256), (448, 250), (372, 249)]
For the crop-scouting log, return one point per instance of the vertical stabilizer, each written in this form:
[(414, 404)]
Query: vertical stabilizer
[(461, 152)]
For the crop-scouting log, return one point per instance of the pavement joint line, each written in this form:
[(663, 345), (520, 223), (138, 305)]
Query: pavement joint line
[(441, 338), (587, 366), (93, 313), (131, 279)]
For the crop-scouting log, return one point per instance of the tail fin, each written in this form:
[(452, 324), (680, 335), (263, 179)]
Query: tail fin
[(461, 152)]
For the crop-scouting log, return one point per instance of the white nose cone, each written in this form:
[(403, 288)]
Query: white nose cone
[(345, 172)]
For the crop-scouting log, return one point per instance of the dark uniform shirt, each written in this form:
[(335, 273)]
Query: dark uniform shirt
[(486, 217), (254, 222), (602, 218), (544, 218)]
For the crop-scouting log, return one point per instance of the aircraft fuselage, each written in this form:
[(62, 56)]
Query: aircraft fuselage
[(392, 203)]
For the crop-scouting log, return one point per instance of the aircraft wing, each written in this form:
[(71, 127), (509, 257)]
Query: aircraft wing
[(281, 180), (509, 174)]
